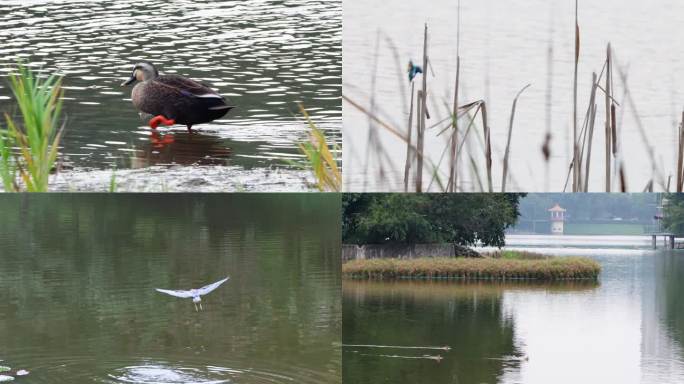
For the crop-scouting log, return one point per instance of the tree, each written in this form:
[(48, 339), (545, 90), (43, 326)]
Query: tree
[(464, 219), (674, 214)]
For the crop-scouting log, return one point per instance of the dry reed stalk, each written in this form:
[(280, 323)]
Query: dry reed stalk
[(453, 171), (480, 106), (423, 112), (642, 131), (567, 178), (376, 119), (372, 138), (419, 144), (589, 146), (575, 168), (508, 142), (584, 131), (608, 118), (590, 133), (623, 179), (462, 110), (613, 128), (575, 179), (382, 124), (477, 105), (546, 152), (680, 157), (546, 147), (488, 146), (649, 187), (409, 155)]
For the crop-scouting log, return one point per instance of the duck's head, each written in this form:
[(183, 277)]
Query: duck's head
[(142, 71)]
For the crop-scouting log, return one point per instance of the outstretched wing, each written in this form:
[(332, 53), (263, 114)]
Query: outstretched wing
[(183, 294), (208, 288)]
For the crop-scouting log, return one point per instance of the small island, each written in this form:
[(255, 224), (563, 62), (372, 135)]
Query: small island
[(391, 237), (515, 266)]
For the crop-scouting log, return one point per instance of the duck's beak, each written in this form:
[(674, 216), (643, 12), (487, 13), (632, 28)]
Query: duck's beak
[(130, 81)]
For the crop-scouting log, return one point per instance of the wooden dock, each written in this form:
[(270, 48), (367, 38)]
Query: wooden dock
[(668, 239)]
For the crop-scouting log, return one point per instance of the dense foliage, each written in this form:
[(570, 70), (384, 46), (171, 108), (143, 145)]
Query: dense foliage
[(674, 214), (464, 219)]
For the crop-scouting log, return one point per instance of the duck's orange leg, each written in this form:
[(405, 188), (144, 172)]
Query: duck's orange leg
[(160, 119)]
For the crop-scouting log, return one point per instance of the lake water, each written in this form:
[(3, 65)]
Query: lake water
[(266, 56), (505, 46), (627, 328), (78, 273)]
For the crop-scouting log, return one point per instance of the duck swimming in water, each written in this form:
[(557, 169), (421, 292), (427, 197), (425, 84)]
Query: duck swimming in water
[(174, 99)]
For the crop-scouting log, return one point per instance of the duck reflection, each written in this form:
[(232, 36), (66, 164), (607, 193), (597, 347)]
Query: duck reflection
[(181, 148)]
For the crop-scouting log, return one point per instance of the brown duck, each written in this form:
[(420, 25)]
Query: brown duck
[(174, 99)]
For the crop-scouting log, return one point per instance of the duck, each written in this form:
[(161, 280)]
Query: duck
[(174, 99)]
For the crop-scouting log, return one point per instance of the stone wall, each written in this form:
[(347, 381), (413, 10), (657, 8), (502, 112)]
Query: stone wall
[(403, 251)]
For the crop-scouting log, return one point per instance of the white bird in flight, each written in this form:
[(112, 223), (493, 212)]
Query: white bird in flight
[(194, 293)]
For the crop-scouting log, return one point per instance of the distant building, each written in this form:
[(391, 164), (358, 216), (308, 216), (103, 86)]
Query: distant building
[(557, 219)]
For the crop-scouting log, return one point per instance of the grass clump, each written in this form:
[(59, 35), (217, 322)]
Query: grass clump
[(320, 158), (517, 255), (28, 150), (555, 268)]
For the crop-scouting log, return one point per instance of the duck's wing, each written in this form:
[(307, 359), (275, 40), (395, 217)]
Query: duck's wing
[(177, 293), (189, 94), (208, 288), (186, 87)]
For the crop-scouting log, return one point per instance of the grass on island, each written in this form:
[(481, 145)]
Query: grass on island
[(508, 267), (516, 255)]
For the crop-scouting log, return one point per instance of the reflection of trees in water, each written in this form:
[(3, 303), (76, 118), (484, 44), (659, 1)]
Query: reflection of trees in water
[(78, 273), (470, 321), (668, 295)]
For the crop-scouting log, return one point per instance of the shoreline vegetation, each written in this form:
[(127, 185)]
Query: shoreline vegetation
[(29, 149), (501, 266), (322, 157)]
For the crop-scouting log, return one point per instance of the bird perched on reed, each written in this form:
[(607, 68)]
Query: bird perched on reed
[(413, 70)]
